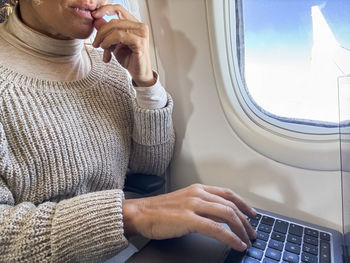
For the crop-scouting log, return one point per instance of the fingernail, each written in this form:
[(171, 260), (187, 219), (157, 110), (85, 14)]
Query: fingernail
[(254, 211), (243, 246)]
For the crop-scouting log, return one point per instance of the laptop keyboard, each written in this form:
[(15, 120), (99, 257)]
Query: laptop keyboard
[(282, 241)]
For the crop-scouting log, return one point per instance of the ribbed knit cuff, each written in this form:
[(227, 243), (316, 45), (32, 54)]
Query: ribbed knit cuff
[(153, 127), (88, 228)]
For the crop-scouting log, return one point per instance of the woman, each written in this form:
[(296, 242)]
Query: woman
[(71, 125)]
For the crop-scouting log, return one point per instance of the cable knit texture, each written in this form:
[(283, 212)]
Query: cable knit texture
[(64, 150)]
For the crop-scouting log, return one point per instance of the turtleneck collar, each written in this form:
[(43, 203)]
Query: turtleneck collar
[(40, 43)]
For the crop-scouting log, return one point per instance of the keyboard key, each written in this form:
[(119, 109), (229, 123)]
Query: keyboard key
[(295, 230), (325, 236), (310, 249), (325, 252), (259, 244), (292, 248), (255, 253), (278, 236), (267, 220), (269, 260), (265, 228), (294, 239), (311, 240), (274, 254), (263, 236), (325, 245), (250, 260), (281, 226), (290, 257), (311, 232), (306, 257), (276, 245), (257, 217), (253, 222)]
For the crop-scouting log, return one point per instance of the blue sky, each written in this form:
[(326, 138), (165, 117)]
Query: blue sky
[(285, 26), (283, 76)]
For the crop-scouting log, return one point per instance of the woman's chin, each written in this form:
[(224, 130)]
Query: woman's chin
[(82, 33)]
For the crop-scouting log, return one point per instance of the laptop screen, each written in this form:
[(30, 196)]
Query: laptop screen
[(344, 127)]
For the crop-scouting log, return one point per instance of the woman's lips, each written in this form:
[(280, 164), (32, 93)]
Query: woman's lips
[(83, 12)]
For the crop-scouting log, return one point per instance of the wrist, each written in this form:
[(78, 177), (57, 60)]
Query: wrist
[(130, 209), (147, 81)]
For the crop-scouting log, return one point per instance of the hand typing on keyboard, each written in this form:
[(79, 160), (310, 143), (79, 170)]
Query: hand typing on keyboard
[(197, 208)]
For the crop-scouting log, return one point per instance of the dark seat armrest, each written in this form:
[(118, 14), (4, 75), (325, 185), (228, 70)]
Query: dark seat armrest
[(142, 183)]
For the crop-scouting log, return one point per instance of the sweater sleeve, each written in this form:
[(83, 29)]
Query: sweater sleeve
[(86, 228), (153, 139)]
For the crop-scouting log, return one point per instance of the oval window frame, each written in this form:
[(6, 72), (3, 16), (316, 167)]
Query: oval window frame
[(294, 144)]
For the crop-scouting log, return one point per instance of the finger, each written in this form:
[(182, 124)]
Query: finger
[(233, 197), (227, 214), (247, 226), (215, 230), (113, 10), (120, 37), (220, 220), (127, 26), (218, 199), (107, 56), (99, 23)]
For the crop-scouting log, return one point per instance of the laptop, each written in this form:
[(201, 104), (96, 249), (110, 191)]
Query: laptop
[(280, 238)]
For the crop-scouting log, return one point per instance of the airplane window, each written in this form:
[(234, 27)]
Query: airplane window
[(276, 65), (291, 54), (124, 3)]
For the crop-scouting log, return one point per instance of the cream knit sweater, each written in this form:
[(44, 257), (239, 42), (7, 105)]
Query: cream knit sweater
[(64, 150)]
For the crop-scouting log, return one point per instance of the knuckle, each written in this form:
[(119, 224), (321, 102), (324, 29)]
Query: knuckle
[(235, 217), (234, 208), (144, 28), (114, 21), (230, 212), (196, 185), (193, 202), (195, 189), (216, 226), (228, 191)]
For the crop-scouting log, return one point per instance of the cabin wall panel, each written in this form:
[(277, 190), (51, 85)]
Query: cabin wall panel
[(207, 149)]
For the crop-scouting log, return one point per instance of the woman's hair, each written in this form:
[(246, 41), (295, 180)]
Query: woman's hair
[(6, 8)]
